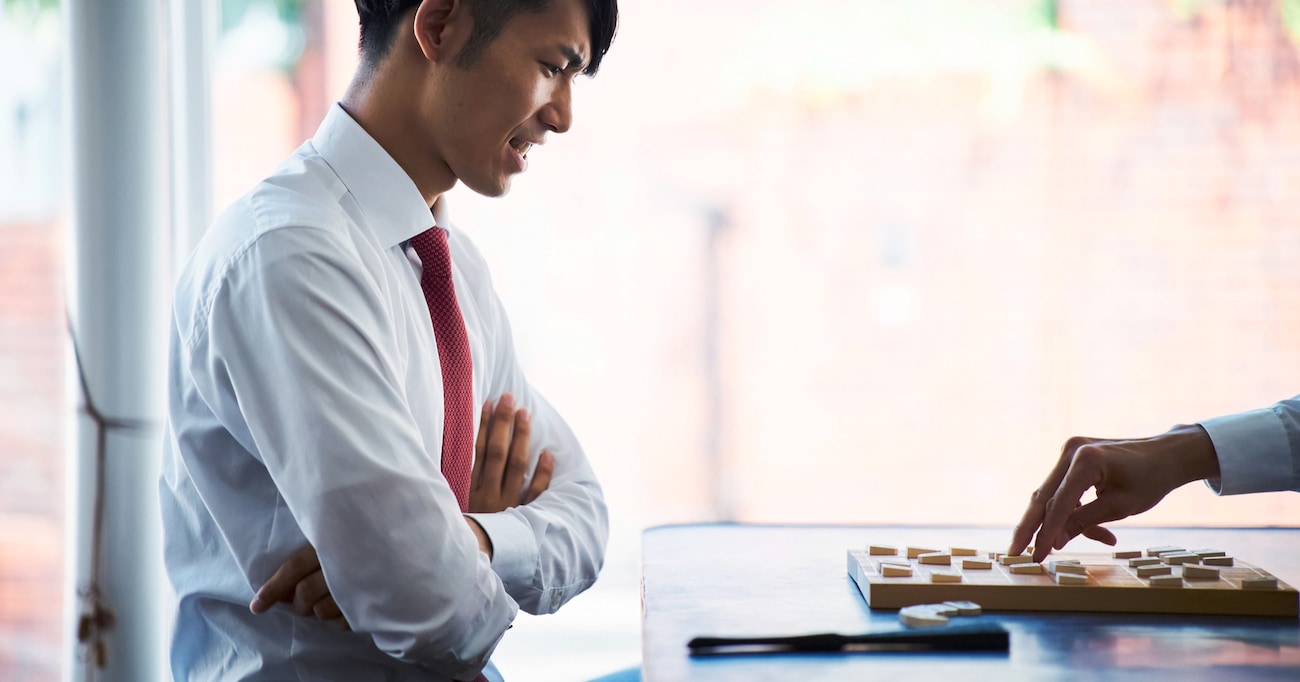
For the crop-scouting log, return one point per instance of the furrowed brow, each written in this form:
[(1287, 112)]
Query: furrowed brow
[(575, 60)]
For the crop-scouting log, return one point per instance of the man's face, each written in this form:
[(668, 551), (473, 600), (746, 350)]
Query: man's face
[(512, 95)]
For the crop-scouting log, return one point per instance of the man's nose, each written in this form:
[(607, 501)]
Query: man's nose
[(557, 115)]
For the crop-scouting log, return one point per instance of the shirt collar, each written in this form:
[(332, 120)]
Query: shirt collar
[(389, 199)]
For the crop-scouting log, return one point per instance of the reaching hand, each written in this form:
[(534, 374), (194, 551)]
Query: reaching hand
[(1130, 477), (501, 460)]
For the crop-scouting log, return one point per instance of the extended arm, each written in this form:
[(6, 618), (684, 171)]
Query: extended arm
[(1250, 452)]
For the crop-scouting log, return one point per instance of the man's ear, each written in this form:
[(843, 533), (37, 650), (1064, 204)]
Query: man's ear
[(441, 28)]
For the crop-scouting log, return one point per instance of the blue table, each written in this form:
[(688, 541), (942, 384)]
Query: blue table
[(734, 580)]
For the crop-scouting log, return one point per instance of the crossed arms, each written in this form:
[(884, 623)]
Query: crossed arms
[(501, 459)]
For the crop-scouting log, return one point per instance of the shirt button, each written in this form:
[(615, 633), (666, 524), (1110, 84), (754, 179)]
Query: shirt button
[(555, 601)]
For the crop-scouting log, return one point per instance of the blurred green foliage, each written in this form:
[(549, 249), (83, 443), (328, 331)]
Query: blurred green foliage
[(232, 11), (1291, 17), (31, 5), (1188, 9), (26, 15), (1049, 12)]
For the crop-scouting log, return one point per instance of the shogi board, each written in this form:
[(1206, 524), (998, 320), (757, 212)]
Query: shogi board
[(1112, 587)]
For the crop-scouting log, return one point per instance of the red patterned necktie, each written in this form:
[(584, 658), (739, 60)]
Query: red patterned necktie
[(453, 356)]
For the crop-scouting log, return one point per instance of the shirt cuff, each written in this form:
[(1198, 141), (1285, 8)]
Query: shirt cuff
[(515, 556), (1252, 448)]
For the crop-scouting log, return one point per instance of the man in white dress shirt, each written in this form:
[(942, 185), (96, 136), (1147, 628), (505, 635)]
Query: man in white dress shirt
[(305, 399), (1255, 451)]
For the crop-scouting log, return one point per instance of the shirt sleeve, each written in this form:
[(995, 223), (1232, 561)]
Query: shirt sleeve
[(1258, 451), (299, 334), (550, 550)]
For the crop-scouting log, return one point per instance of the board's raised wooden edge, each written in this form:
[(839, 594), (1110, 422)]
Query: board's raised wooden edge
[(882, 594)]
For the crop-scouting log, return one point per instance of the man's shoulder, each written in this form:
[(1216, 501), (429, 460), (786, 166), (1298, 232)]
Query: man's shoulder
[(295, 210), (302, 195)]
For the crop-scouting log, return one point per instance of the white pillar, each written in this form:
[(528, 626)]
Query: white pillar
[(193, 39), (117, 117)]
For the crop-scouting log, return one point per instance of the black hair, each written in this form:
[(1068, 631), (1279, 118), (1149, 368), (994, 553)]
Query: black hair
[(379, 20)]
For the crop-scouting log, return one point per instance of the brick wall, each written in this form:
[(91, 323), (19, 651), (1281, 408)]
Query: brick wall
[(32, 414)]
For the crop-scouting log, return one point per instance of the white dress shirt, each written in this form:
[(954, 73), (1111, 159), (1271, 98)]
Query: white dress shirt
[(305, 406), (1259, 450)]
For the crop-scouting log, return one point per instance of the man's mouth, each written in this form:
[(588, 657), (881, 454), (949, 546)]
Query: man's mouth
[(521, 146)]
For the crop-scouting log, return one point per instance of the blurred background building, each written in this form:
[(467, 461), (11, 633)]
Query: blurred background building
[(797, 261)]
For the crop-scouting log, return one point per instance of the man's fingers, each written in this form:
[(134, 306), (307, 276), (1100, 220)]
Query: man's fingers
[(480, 444), (1084, 472), (327, 609), (281, 586), (1033, 517), (1100, 534), (517, 465), (1030, 522), (1087, 520), (310, 590), (341, 623), (498, 443), (301, 582), (1072, 530), (541, 477)]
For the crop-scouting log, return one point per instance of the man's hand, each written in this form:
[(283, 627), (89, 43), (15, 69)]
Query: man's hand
[(299, 581), (1130, 477), (501, 460)]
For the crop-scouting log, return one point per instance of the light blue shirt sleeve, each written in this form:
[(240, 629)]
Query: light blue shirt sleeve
[(1258, 451)]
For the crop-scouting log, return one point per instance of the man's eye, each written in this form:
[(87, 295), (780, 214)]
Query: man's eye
[(552, 69)]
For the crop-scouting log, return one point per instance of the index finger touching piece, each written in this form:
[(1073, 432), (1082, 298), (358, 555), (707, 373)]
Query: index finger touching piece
[(1033, 517), (1081, 476)]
